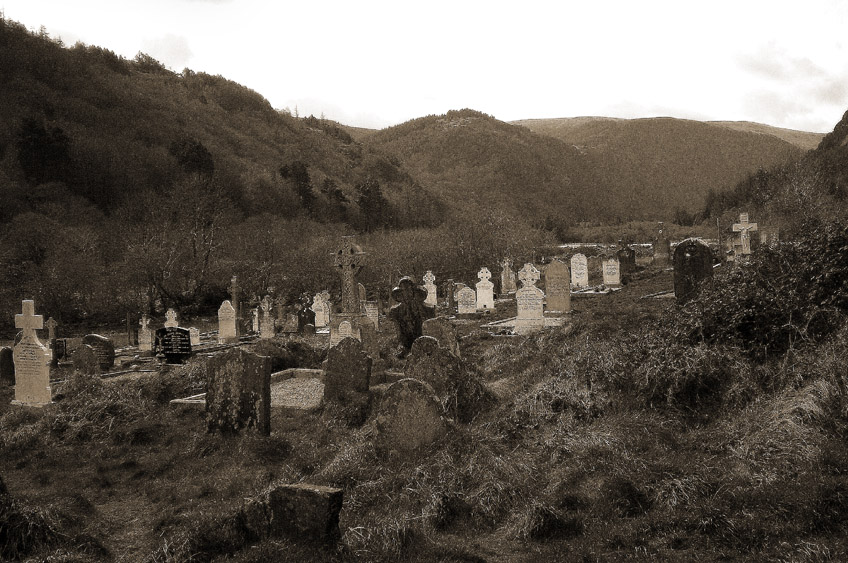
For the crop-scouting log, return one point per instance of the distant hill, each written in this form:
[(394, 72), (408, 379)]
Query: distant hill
[(801, 139)]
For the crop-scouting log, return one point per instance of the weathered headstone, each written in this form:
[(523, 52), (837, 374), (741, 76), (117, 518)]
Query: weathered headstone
[(86, 361), (529, 302), (194, 336), (255, 326), (409, 418), (558, 287), (321, 308), (348, 260), (174, 343), (442, 330), (485, 290), (51, 325), (304, 512), (234, 302), (292, 325), (612, 273), (171, 319), (410, 311), (372, 311), (449, 288), (662, 247), (507, 278), (145, 335), (103, 347), (744, 228), (693, 263), (7, 366), (347, 372), (345, 330), (31, 359), (466, 301), (266, 325), (363, 295), (238, 392), (305, 316), (579, 271), (626, 258), (227, 333), (430, 285)]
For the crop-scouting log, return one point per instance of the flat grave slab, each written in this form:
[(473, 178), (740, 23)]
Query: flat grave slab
[(297, 393)]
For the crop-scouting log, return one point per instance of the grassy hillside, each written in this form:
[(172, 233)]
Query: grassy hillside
[(659, 165)]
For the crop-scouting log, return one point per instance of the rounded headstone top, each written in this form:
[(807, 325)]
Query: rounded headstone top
[(409, 418)]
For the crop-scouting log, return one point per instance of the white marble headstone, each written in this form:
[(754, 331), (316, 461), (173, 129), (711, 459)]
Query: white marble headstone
[(485, 290), (579, 271), (32, 360), (612, 273), (227, 323)]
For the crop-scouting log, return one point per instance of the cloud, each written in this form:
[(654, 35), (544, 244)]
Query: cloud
[(172, 50), (774, 63)]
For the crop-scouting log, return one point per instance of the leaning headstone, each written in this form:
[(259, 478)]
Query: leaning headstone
[(174, 343), (558, 287), (145, 335), (693, 263), (103, 347), (612, 273), (430, 285), (529, 302), (321, 308), (238, 392), (409, 418), (372, 311), (227, 323), (442, 330), (410, 311), (85, 360), (507, 278), (31, 359), (7, 366), (485, 290), (579, 271), (347, 373), (171, 319), (466, 301), (194, 336)]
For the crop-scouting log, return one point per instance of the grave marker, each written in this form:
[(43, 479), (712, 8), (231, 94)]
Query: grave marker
[(31, 359), (227, 332), (612, 273), (507, 277), (234, 302), (744, 228), (579, 271), (485, 290), (558, 287), (410, 311), (693, 263), (662, 247), (171, 319), (372, 311), (174, 343), (430, 286), (238, 392), (626, 258), (321, 308), (529, 301), (466, 301), (266, 326), (7, 366), (409, 418), (194, 336), (103, 348), (145, 335)]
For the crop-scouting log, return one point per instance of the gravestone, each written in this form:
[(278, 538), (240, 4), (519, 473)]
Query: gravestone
[(145, 335), (234, 303), (31, 359), (174, 343), (448, 289), (430, 286), (345, 330), (626, 258), (194, 336), (363, 295), (303, 512), (368, 337), (348, 261), (579, 271), (238, 392), (227, 333), (662, 247), (305, 316), (86, 361), (485, 290), (744, 228), (409, 419), (348, 371), (558, 287), (255, 325), (442, 330), (171, 319), (507, 278), (529, 302), (693, 263), (372, 311), (292, 325), (103, 347), (51, 325), (410, 311), (611, 272), (466, 301), (266, 325), (7, 366), (60, 350), (321, 308)]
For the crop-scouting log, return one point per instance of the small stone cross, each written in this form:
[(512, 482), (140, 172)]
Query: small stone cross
[(266, 304), (171, 318), (234, 288), (144, 321), (484, 274), (51, 325), (528, 275), (349, 260), (429, 278), (28, 320), (743, 227)]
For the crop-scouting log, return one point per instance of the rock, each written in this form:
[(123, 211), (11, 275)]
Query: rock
[(409, 418), (304, 511)]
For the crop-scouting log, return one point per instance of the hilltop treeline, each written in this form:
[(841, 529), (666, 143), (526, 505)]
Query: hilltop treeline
[(128, 187)]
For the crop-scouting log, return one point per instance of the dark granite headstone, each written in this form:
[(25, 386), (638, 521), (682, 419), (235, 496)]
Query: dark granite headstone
[(410, 311), (174, 343), (693, 263), (86, 360), (104, 349), (238, 392), (7, 366), (626, 259), (60, 349), (305, 316), (348, 370)]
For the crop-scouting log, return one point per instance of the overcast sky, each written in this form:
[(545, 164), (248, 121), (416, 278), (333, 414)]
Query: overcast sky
[(374, 63)]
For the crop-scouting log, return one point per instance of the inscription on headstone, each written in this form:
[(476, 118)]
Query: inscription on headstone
[(227, 323), (103, 348), (174, 343), (31, 359), (529, 302), (558, 287), (579, 271), (612, 273), (466, 301)]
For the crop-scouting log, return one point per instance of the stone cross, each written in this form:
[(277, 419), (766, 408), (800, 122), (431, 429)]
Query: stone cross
[(28, 320), (485, 290), (171, 318), (349, 259), (51, 325), (528, 275), (743, 227), (430, 286), (145, 320)]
